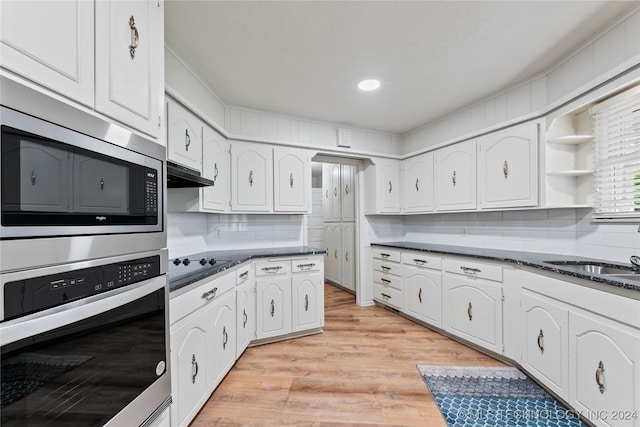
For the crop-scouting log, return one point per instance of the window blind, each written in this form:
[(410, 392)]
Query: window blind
[(617, 138)]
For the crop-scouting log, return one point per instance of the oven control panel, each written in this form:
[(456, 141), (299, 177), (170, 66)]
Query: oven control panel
[(27, 296)]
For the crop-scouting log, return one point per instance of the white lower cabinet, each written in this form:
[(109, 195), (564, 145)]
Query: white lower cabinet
[(245, 309), (604, 370), (273, 298), (222, 339), (308, 301), (545, 346), (422, 288)]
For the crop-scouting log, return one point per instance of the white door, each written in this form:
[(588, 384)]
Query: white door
[(215, 166), (292, 180), (348, 255), (222, 338), (245, 316), (348, 203), (389, 188), (418, 186), (508, 167), (423, 294), (308, 301), (184, 137), (251, 177), (130, 61), (274, 306), (50, 43), (456, 176)]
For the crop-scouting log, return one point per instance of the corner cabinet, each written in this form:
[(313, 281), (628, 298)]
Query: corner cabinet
[(246, 309), (417, 184), (455, 170), (273, 298), (382, 184), (292, 180), (129, 57), (308, 294), (251, 177), (184, 136), (508, 167)]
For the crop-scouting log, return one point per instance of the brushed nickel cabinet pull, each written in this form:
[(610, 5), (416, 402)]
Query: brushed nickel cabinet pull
[(209, 295), (225, 337), (135, 38), (505, 169), (541, 341), (194, 364), (599, 373), (471, 271), (244, 318), (244, 275), (101, 184), (187, 140), (470, 312), (390, 187), (335, 254), (306, 266), (453, 178), (417, 184), (385, 280), (385, 268), (273, 308), (388, 297), (384, 255), (251, 178), (335, 191), (420, 295), (346, 256), (420, 261), (291, 181), (346, 189), (34, 178), (306, 303), (326, 194), (215, 172)]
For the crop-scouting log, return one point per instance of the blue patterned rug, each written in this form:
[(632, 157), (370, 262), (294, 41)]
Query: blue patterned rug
[(473, 396)]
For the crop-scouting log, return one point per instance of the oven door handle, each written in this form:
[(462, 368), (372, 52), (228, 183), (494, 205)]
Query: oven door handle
[(56, 317)]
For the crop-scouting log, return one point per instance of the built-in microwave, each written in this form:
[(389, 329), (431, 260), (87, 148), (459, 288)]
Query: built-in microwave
[(58, 182)]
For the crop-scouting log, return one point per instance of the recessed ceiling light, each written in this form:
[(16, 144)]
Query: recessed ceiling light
[(370, 84)]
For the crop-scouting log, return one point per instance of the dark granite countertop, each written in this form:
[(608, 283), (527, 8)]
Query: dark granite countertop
[(529, 259), (234, 258)]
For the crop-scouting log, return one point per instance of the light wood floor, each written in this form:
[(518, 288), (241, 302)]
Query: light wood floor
[(360, 371)]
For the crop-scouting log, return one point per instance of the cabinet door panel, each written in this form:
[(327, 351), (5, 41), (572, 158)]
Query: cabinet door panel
[(508, 168), (184, 133), (100, 186), (348, 204), (127, 79), (274, 306), (456, 176), (245, 317), (418, 186), (423, 295), (308, 301), (50, 43), (215, 166), (348, 256), (292, 180), (604, 369), (223, 338), (390, 187), (252, 177)]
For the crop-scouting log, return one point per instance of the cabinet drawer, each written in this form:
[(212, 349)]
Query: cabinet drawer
[(473, 269), (270, 268), (189, 302), (387, 295), (387, 267), (302, 265), (386, 254), (243, 274), (421, 260), (387, 279)]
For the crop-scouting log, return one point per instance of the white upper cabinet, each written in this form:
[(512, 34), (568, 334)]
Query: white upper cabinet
[(51, 44), (455, 168), (417, 184), (331, 192), (215, 166), (348, 205), (129, 60), (292, 180), (508, 167), (251, 177), (382, 183), (184, 137)]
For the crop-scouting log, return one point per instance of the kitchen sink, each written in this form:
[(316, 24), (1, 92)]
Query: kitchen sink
[(595, 268)]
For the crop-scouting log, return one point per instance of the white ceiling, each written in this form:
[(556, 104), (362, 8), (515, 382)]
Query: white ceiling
[(305, 59)]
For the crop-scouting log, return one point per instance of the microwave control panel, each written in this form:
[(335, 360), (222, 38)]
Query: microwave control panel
[(27, 296)]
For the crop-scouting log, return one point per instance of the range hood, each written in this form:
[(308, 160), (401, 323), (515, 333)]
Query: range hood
[(179, 176)]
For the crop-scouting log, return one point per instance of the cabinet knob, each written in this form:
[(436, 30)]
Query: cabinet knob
[(187, 140), (505, 169), (335, 254), (470, 312), (326, 194), (194, 365), (335, 191), (453, 178), (135, 38), (541, 341), (599, 375)]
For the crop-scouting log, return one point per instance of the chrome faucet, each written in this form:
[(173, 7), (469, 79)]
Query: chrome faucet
[(635, 261)]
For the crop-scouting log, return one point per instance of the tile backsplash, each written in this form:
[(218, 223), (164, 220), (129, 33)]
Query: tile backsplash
[(189, 233)]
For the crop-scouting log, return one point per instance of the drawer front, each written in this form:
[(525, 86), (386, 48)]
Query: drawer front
[(386, 254), (270, 268), (308, 264), (189, 302), (421, 260), (387, 267), (473, 269), (387, 280), (243, 274), (387, 295)]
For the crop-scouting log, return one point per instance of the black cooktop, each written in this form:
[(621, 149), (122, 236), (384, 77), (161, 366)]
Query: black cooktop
[(189, 269)]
